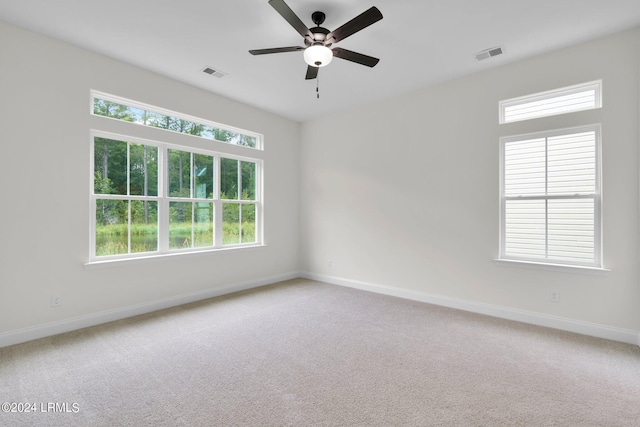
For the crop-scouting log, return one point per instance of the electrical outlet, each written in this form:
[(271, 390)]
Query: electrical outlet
[(554, 296), (55, 301)]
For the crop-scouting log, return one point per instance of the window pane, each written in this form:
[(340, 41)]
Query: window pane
[(571, 230), (246, 140), (143, 166), (248, 180), (144, 226), (110, 166), (111, 109), (229, 136), (550, 107), (148, 117), (179, 173), (229, 179), (138, 115), (230, 223), (186, 126), (163, 122), (203, 170), (180, 225), (112, 227), (559, 101), (525, 228), (203, 225), (248, 223), (572, 164), (524, 167)]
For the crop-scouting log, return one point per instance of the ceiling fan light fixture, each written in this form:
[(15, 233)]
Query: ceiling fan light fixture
[(318, 55)]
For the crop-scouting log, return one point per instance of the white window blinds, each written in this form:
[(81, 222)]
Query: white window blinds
[(550, 197)]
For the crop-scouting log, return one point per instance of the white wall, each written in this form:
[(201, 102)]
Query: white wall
[(44, 176), (402, 195)]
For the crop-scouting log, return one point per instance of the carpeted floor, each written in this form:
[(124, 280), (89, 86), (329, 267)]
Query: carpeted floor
[(304, 353)]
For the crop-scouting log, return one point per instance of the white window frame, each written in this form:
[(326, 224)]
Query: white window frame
[(549, 97), (163, 111), (163, 199), (597, 198), (95, 197)]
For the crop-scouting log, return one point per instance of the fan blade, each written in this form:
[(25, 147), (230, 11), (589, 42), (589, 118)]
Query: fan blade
[(361, 21), (356, 57), (285, 11), (275, 50), (312, 72)]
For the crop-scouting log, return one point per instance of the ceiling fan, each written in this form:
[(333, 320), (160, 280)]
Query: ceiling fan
[(318, 50)]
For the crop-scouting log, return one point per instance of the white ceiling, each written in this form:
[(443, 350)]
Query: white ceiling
[(419, 42)]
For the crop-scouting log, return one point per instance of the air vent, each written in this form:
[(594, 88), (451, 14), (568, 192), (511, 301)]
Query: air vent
[(213, 72), (488, 53)]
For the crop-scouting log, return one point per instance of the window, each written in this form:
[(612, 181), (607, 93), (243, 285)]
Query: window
[(152, 197), (134, 112), (550, 197), (238, 183), (191, 190), (559, 101), (125, 197)]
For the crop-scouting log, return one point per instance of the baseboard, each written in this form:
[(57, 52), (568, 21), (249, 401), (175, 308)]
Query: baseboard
[(570, 325), (67, 325), (540, 319)]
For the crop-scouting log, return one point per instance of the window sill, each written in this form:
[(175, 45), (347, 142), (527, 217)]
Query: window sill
[(96, 264), (553, 267)]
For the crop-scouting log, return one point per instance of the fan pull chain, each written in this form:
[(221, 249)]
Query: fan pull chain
[(318, 87)]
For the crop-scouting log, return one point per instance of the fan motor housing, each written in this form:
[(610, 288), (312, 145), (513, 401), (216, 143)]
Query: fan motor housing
[(319, 33), (319, 36)]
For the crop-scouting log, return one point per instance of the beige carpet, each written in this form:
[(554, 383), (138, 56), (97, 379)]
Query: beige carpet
[(303, 353)]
